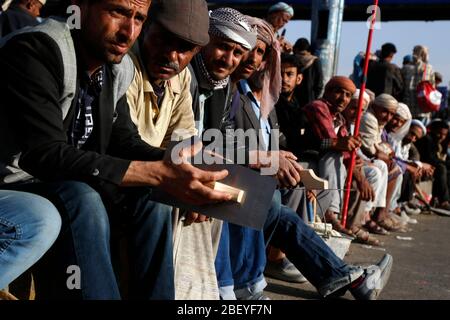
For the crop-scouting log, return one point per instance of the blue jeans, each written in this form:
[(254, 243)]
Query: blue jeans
[(240, 261), (29, 225), (285, 230), (84, 241)]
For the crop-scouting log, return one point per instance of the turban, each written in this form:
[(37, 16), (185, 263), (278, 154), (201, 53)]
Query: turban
[(281, 6), (419, 124), (341, 82), (386, 101), (403, 111), (264, 30), (271, 65), (366, 97), (232, 25)]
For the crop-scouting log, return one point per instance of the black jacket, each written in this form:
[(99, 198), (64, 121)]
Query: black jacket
[(31, 119), (428, 149), (292, 122), (312, 84), (385, 77), (217, 106)]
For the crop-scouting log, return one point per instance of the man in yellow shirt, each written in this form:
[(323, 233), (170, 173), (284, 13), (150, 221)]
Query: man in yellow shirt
[(159, 97), (161, 107)]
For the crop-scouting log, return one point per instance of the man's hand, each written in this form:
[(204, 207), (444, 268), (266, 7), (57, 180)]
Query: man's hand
[(383, 157), (358, 162), (348, 143), (285, 45), (427, 169), (416, 172), (178, 178), (194, 217), (288, 174), (365, 189)]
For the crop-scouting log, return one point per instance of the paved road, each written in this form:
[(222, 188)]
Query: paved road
[(421, 269)]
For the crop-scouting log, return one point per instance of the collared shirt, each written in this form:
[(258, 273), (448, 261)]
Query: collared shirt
[(90, 88), (256, 106), (157, 117), (325, 125)]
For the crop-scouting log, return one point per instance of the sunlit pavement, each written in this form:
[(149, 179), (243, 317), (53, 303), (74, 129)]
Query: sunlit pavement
[(421, 269)]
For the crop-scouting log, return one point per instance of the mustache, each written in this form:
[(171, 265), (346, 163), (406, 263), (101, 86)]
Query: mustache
[(249, 64), (121, 40), (222, 64), (171, 65)]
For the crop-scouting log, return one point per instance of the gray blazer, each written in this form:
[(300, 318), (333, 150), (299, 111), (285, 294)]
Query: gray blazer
[(245, 118)]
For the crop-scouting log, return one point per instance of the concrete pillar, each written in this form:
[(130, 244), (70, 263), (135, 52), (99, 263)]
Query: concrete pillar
[(326, 24)]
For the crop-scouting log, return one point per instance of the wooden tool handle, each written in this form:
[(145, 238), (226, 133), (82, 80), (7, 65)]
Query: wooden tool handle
[(237, 194)]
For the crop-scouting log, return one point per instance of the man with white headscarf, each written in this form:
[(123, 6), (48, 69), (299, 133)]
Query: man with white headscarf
[(278, 16), (396, 130), (375, 146), (371, 172), (412, 169), (231, 37)]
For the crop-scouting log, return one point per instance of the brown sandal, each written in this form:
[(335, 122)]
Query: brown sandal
[(389, 224), (331, 218), (364, 237), (373, 227)]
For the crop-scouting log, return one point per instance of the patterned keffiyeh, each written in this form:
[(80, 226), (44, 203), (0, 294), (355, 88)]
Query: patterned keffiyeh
[(214, 84), (231, 24)]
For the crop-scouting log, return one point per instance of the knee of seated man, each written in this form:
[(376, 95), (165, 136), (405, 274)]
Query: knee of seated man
[(373, 174), (87, 205), (78, 189), (45, 220)]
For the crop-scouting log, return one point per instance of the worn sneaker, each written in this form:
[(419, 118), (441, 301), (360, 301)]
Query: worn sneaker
[(411, 211), (373, 280), (257, 296), (407, 218), (284, 270)]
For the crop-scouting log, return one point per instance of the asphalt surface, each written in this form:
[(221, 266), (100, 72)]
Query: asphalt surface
[(421, 269)]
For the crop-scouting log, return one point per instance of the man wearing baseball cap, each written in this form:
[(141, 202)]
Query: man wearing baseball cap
[(20, 14), (159, 96)]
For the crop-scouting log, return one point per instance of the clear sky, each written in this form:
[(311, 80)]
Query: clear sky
[(405, 35)]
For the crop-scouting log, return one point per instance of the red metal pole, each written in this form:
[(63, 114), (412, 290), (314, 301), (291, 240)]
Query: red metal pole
[(348, 183)]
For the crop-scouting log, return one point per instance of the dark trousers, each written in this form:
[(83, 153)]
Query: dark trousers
[(84, 243), (440, 183)]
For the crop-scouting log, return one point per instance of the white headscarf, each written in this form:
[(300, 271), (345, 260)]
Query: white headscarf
[(395, 138), (366, 98)]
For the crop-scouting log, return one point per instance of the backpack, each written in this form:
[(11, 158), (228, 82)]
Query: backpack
[(428, 97)]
